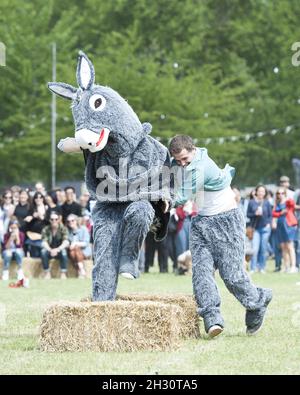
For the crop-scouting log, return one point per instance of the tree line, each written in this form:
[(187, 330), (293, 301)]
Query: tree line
[(207, 68)]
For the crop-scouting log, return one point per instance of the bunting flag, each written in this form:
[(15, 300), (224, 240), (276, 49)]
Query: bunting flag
[(205, 140), (241, 137)]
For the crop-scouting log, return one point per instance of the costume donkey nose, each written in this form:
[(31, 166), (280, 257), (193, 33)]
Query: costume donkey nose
[(88, 139)]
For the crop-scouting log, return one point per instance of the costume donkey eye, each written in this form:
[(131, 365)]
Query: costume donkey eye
[(97, 102)]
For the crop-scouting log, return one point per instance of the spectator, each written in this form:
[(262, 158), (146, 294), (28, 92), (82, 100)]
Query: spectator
[(284, 182), (275, 243), (286, 228), (151, 246), (297, 242), (61, 196), (51, 201), (12, 248), (35, 224), (15, 198), (260, 214), (80, 248), (70, 206), (39, 188), (6, 210), (86, 214), (245, 204), (85, 200), (54, 245), (22, 209), (15, 190)]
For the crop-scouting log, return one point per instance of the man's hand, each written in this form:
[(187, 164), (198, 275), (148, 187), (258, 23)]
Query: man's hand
[(54, 252), (73, 245)]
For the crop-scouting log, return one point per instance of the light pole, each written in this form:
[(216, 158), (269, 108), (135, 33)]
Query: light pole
[(53, 121)]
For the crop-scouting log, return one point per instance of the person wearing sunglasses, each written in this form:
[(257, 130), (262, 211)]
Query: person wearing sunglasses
[(286, 228), (54, 245)]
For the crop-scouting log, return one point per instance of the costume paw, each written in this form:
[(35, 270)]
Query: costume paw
[(68, 145)]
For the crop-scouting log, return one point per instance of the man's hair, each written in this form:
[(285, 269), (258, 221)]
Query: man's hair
[(54, 213), (69, 187), (180, 142)]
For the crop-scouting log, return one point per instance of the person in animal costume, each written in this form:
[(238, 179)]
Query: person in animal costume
[(123, 168), (217, 239)]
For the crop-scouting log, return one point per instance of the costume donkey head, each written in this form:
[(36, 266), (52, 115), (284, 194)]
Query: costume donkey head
[(103, 119)]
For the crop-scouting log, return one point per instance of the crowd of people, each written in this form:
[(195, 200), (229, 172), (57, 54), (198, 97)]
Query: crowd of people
[(53, 224), (272, 227), (45, 224), (272, 231)]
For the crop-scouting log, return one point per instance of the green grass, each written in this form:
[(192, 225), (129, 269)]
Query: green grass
[(274, 350)]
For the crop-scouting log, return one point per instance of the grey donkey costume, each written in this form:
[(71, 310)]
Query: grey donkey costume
[(217, 242), (120, 158)]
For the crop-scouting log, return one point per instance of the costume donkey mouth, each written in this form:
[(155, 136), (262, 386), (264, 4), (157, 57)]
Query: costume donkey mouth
[(94, 142)]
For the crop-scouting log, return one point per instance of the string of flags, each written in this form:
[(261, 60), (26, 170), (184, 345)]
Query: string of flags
[(241, 137), (201, 140)]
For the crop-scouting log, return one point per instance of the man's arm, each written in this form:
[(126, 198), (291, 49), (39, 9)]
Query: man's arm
[(45, 243)]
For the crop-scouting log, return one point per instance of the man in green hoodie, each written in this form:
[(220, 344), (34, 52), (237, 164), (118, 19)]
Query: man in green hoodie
[(217, 239)]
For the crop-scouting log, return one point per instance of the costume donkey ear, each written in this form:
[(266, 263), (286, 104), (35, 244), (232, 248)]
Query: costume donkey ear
[(85, 71), (64, 90)]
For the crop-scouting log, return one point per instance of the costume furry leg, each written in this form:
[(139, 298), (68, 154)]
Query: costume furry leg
[(119, 232)]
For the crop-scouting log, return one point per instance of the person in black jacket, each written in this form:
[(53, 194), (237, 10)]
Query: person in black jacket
[(70, 206)]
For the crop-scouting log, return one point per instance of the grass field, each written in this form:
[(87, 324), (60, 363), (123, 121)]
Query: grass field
[(274, 350)]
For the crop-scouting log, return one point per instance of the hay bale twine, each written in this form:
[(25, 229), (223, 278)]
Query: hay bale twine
[(110, 326)]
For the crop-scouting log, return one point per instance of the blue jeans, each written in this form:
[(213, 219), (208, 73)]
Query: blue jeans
[(260, 248), (62, 256), (182, 238), (297, 247), (8, 255), (33, 247), (276, 248)]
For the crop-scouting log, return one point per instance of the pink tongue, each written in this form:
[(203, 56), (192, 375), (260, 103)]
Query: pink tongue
[(101, 137)]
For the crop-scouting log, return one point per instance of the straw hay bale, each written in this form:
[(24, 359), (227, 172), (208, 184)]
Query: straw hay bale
[(110, 326), (189, 318), (32, 268)]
